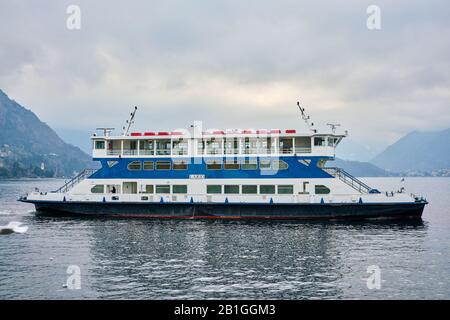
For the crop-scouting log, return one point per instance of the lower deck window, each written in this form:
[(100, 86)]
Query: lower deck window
[(179, 189), (232, 189), (321, 189), (215, 189), (267, 189), (249, 189), (99, 188), (285, 189), (113, 188), (162, 188), (148, 188)]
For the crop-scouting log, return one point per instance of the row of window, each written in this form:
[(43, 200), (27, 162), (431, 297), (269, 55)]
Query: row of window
[(217, 189), (249, 189), (247, 164), (214, 145), (149, 188)]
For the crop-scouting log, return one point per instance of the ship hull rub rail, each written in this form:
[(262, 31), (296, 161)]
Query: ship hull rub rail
[(279, 211)]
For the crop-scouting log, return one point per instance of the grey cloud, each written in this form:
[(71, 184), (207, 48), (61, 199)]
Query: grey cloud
[(231, 63)]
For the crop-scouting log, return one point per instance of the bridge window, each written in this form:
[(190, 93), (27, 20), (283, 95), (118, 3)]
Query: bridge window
[(99, 144), (267, 189), (249, 164), (99, 188), (214, 165), (180, 165), (232, 189), (179, 188), (231, 165), (279, 165), (134, 165), (148, 165), (285, 189), (319, 141), (213, 189), (333, 141), (162, 188), (249, 189), (321, 189), (162, 165)]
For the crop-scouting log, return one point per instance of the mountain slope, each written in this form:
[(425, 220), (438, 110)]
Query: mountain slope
[(360, 169), (417, 151), (352, 150), (29, 147)]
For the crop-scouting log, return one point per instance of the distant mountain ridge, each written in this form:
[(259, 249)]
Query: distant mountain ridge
[(352, 150), (30, 148), (418, 152), (361, 169)]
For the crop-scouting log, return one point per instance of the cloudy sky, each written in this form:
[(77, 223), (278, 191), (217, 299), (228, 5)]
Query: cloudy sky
[(231, 64)]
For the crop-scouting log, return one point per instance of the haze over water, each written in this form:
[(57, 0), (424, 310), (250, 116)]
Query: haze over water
[(167, 259)]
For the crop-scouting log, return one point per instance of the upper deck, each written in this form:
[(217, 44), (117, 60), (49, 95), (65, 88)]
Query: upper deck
[(216, 143)]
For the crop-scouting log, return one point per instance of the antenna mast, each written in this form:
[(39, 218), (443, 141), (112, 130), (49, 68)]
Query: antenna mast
[(333, 126), (306, 118), (129, 122), (106, 131)]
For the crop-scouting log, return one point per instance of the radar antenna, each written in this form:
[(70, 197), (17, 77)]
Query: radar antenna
[(333, 126), (306, 118), (127, 127)]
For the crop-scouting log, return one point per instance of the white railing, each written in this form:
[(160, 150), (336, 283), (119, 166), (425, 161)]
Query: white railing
[(113, 152), (218, 151), (303, 149)]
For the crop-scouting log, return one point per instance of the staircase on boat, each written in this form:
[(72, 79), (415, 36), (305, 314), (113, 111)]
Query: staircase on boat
[(350, 180), (75, 180)]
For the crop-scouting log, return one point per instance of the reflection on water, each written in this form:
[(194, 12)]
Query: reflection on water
[(167, 259), (205, 259)]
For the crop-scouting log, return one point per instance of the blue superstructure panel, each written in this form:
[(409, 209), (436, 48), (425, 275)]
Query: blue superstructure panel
[(197, 166)]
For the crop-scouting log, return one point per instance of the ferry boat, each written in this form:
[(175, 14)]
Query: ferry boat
[(226, 174)]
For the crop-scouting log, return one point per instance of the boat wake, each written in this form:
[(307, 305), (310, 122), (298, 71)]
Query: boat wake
[(13, 227)]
